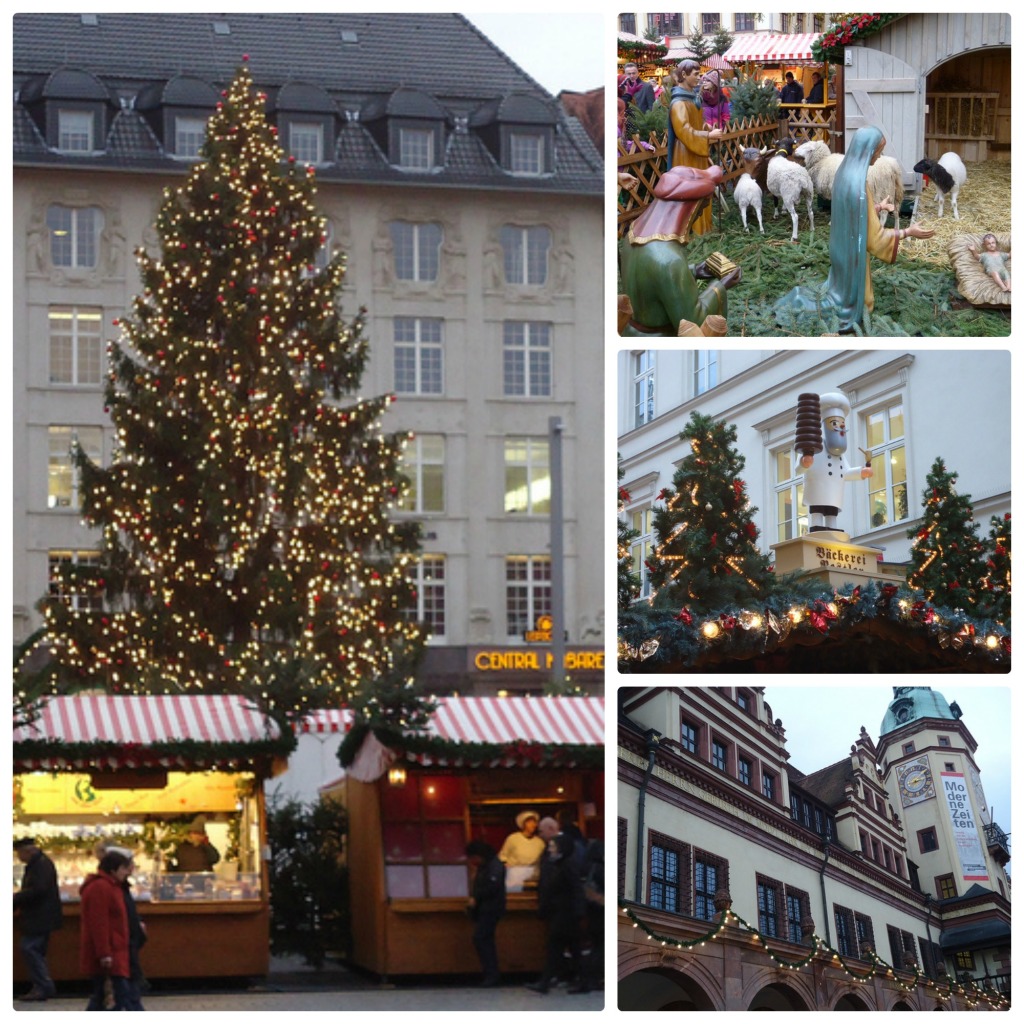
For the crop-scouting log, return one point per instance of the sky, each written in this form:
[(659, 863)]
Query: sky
[(823, 720), (560, 51)]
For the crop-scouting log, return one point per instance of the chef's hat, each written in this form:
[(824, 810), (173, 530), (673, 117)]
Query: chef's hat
[(834, 403)]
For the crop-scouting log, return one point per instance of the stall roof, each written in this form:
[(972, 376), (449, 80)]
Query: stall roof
[(550, 720), (111, 731), (771, 47)]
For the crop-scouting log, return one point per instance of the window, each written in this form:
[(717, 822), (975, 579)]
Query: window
[(944, 741), (709, 24), (785, 20), (669, 869), (526, 253), (430, 593), (946, 886), (876, 851), (623, 848), (642, 520), (897, 864), (744, 701), (627, 23), (705, 371), (768, 785), (965, 961), (76, 345), (948, 766), (807, 814), (790, 510), (744, 23), (794, 806), (688, 736), (819, 23), (189, 136), (419, 356), (887, 499), (709, 874), (718, 754), (526, 363), (908, 748), (527, 592), (416, 149), (769, 901), (846, 942), (643, 387), (927, 840), (818, 823), (423, 463), (63, 479), (865, 934), (526, 153), (417, 250), (74, 131), (797, 908), (306, 141), (527, 476), (666, 24), (745, 771), (73, 234), (79, 594)]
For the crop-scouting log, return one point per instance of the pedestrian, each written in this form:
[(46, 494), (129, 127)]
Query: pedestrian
[(486, 907), (633, 89), (560, 899), (38, 906), (104, 945), (137, 935), (592, 974)]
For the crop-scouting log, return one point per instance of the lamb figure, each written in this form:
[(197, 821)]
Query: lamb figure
[(789, 181), (747, 192), (885, 176), (949, 174)]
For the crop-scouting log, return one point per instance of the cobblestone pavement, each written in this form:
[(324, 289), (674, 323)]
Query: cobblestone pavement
[(383, 998)]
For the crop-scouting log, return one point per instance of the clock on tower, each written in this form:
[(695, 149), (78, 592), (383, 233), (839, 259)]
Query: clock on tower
[(915, 782)]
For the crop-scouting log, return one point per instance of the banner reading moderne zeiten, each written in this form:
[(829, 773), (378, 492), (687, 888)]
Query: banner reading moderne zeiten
[(965, 831)]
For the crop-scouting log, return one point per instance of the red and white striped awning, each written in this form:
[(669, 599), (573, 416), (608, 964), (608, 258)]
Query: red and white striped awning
[(547, 720), (771, 47), (140, 722)]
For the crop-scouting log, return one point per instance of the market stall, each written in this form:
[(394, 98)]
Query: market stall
[(142, 772), (415, 800)]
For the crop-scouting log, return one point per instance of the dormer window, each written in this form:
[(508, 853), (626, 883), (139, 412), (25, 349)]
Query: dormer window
[(75, 131), (416, 149), (306, 141), (189, 134), (526, 152)]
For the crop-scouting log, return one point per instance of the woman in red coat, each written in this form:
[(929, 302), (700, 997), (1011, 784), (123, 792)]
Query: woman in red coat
[(104, 939)]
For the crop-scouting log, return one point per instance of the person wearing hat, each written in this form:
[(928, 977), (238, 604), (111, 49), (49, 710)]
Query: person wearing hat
[(39, 910), (196, 853), (825, 476), (521, 851)]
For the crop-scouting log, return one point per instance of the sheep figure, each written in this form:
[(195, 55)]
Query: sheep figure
[(885, 176), (747, 192), (949, 174), (789, 181)]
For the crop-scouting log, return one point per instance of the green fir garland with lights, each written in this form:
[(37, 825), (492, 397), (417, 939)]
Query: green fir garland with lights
[(994, 586), (877, 967), (247, 544), (831, 45)]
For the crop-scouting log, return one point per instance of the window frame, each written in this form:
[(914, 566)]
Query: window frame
[(527, 359), (922, 837), (526, 252), (418, 468), (414, 256), (532, 591), (84, 348), (58, 557), (188, 128), (83, 244), (705, 371), (412, 157), (530, 162), (430, 576), (770, 907), (60, 464), (703, 906), (881, 455), (681, 851), (643, 364), (537, 466), (694, 727), (792, 487), (415, 344), (311, 130), (945, 886), (641, 546), (65, 118)]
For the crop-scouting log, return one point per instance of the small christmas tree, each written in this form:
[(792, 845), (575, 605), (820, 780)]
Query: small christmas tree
[(628, 580), (706, 549), (721, 41), (698, 45), (994, 586), (246, 541), (946, 553), (751, 96)]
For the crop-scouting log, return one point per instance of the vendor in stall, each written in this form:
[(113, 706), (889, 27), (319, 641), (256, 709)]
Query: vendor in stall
[(196, 853), (521, 852)]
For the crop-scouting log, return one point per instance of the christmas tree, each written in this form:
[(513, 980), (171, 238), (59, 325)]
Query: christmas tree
[(246, 541), (945, 554), (706, 548), (628, 580), (698, 46), (994, 586)]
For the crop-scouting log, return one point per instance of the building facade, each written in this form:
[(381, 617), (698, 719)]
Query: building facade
[(676, 26), (875, 883), (907, 409), (470, 207)]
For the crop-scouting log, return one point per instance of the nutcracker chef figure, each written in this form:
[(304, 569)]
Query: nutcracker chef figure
[(821, 430)]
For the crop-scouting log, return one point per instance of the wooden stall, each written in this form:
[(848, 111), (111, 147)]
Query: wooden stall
[(136, 772), (414, 801)]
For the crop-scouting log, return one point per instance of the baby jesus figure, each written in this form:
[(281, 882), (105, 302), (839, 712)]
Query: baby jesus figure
[(993, 262)]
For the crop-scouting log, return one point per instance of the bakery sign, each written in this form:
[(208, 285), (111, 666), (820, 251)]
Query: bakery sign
[(965, 830), (838, 556)]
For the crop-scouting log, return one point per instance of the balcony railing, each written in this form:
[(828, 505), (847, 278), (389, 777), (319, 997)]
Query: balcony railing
[(998, 842)]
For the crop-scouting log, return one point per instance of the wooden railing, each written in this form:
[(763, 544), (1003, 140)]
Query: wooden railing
[(648, 165), (961, 115)]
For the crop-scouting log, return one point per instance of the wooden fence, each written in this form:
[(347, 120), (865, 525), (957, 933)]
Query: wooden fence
[(964, 122)]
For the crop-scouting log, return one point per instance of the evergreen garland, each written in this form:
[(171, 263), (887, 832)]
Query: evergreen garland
[(994, 586), (628, 584)]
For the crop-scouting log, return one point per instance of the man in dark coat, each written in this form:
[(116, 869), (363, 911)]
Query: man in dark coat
[(40, 913), (486, 906)]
